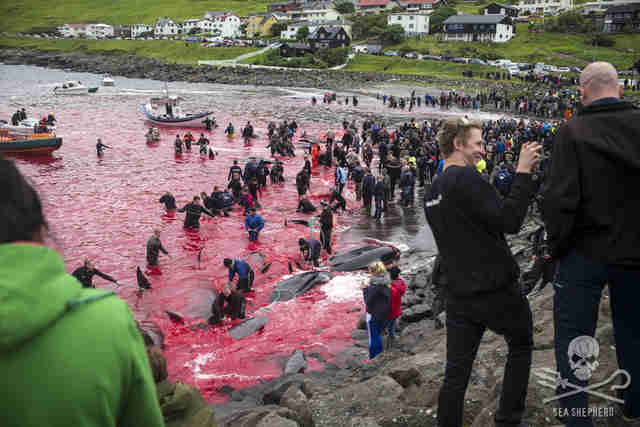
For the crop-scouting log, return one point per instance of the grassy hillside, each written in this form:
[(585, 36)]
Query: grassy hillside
[(167, 50), (551, 48), (27, 15)]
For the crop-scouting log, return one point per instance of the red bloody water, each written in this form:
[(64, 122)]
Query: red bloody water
[(106, 208)]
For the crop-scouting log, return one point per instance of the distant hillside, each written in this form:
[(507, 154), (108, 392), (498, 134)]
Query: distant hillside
[(43, 15)]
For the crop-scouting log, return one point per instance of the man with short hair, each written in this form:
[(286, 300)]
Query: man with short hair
[(85, 274), (244, 271), (468, 220), (194, 210), (591, 209), (254, 224), (154, 247)]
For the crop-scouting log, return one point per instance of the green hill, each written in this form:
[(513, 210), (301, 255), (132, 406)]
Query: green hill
[(45, 15)]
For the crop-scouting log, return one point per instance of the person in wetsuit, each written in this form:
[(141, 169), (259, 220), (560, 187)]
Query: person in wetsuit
[(169, 201), (310, 250), (235, 169), (229, 131), (228, 303), (326, 227), (154, 247), (208, 123), (244, 271), (100, 147), (85, 274), (305, 206), (194, 210)]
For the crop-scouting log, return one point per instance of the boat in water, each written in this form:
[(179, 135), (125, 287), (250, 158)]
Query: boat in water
[(73, 87), (37, 143), (166, 111), (25, 128), (108, 80)]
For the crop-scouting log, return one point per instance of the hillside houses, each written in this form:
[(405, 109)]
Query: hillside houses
[(478, 28), (414, 24), (374, 7), (166, 27), (292, 28), (99, 31)]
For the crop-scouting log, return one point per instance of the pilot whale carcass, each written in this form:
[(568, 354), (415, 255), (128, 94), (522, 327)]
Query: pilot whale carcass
[(361, 257), (248, 327), (298, 285)]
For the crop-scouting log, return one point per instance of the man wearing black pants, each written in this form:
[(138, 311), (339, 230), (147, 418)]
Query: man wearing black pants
[(469, 220), (326, 226)]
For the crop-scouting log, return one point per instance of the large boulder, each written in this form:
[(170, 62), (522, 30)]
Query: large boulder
[(297, 401), (296, 363)]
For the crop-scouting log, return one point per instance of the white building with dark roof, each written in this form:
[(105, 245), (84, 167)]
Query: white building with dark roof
[(540, 7), (414, 24), (166, 27), (478, 28), (292, 29)]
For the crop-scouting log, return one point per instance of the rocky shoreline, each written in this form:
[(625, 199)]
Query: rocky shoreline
[(400, 387), (148, 68)]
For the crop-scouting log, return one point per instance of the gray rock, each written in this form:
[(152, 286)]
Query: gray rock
[(363, 422), (416, 313), (296, 363), (296, 400), (272, 419)]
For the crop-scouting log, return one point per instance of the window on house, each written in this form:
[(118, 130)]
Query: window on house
[(410, 25), (411, 18)]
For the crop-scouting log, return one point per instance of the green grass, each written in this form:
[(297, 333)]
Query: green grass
[(395, 65), (28, 15), (167, 50), (550, 48)]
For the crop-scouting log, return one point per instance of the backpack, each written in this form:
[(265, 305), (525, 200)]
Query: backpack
[(503, 181)]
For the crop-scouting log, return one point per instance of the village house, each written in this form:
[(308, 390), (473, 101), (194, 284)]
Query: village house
[(284, 6), (374, 7), (260, 24), (540, 7), (292, 50), (501, 9), (138, 29), (73, 30), (315, 11), (166, 27), (190, 24), (622, 18), (478, 28), (292, 28), (329, 37), (414, 24), (418, 5), (601, 6), (99, 31)]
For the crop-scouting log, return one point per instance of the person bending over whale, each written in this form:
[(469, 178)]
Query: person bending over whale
[(305, 206), (244, 271), (310, 250), (228, 303), (85, 274), (194, 210), (169, 201)]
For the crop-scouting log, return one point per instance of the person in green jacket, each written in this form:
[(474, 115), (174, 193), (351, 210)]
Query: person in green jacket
[(69, 356)]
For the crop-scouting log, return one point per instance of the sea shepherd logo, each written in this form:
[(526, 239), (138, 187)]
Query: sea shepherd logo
[(583, 355)]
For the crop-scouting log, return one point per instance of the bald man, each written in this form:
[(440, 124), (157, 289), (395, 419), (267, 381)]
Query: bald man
[(591, 209)]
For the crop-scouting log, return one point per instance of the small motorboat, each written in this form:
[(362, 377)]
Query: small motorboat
[(166, 111), (26, 127), (37, 143), (153, 135), (73, 87), (108, 80)]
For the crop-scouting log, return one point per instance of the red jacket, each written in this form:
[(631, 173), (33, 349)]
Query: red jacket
[(398, 289)]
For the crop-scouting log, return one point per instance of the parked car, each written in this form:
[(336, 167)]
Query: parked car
[(461, 60), (575, 69), (514, 70), (391, 53), (411, 55), (432, 57), (564, 70), (477, 61)]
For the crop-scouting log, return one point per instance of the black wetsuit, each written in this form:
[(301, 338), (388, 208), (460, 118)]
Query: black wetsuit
[(194, 211), (305, 206), (85, 276), (169, 202), (233, 305), (100, 148), (326, 226), (234, 169), (154, 246)]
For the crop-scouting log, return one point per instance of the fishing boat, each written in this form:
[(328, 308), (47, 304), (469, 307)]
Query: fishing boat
[(166, 111), (108, 80), (73, 87), (38, 143)]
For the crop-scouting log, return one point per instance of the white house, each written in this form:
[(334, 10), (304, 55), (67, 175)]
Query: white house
[(166, 27), (73, 30), (190, 24), (227, 25), (315, 11), (478, 28), (414, 24), (292, 29), (100, 31), (417, 5), (539, 7), (139, 29)]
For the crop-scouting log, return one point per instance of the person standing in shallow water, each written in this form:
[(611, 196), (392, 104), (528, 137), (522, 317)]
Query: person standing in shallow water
[(100, 147), (85, 274), (154, 247), (56, 331), (169, 201)]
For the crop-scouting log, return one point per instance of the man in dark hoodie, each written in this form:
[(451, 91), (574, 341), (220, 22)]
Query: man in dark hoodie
[(591, 209), (85, 274), (194, 210), (468, 220)]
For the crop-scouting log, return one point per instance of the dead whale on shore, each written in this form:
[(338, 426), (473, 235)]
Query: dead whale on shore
[(361, 257), (247, 327), (298, 285)]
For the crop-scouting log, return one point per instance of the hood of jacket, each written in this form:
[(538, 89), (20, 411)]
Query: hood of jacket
[(35, 292), (612, 128)]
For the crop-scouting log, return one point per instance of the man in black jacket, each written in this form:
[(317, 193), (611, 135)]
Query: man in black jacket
[(194, 210), (468, 220), (85, 274), (591, 209)]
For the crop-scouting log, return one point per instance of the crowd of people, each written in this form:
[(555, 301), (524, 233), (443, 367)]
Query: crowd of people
[(480, 180)]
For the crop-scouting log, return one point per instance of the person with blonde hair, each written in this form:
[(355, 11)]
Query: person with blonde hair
[(377, 299)]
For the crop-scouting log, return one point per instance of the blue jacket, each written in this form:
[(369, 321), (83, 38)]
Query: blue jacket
[(340, 176), (254, 222), (314, 248), (240, 267)]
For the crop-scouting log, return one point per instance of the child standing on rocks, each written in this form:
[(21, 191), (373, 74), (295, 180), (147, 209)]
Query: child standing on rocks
[(377, 298), (398, 288)]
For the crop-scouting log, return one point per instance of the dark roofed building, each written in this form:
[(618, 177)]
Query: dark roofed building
[(478, 28), (622, 18), (501, 9), (330, 37), (288, 50)]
